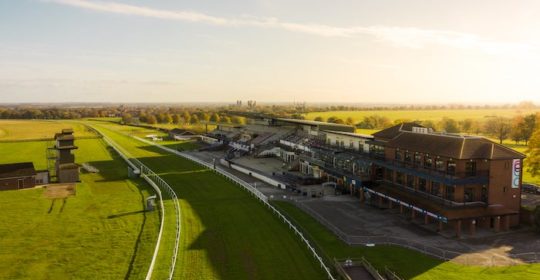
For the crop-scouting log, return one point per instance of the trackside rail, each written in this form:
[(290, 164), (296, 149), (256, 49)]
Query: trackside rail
[(255, 192), (158, 185)]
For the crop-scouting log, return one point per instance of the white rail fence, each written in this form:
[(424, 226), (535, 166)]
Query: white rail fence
[(158, 185), (252, 190)]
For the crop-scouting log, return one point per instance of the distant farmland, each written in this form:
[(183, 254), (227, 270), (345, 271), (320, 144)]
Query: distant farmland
[(16, 130), (424, 115)]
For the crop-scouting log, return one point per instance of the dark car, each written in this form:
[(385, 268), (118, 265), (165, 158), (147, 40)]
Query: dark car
[(529, 188)]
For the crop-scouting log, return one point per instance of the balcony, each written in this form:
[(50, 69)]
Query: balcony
[(456, 178), (428, 198)]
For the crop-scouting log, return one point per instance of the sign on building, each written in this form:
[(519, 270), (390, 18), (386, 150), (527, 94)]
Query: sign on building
[(516, 173)]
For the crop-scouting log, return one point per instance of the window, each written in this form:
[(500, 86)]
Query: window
[(422, 184), (351, 145), (428, 162), (399, 156), (407, 156), (451, 167), (389, 175), (399, 178), (449, 192), (436, 189), (469, 195), (470, 168), (484, 196), (417, 158), (439, 164), (410, 181)]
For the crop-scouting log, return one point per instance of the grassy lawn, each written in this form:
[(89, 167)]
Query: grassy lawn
[(101, 233), (226, 233), (424, 115), (16, 130), (406, 263)]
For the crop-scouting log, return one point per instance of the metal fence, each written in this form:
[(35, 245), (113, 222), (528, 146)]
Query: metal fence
[(158, 185), (255, 192)]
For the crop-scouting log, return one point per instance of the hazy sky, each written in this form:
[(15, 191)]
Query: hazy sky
[(411, 51)]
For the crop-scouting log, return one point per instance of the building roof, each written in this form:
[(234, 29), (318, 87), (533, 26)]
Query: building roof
[(351, 134), (452, 146), (65, 166), (391, 132), (21, 169), (310, 122), (179, 131)]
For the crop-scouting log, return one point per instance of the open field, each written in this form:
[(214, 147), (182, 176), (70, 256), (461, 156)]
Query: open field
[(101, 233), (406, 263), (16, 130), (227, 234), (424, 115)]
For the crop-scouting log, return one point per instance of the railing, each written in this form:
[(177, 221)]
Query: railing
[(390, 275), (157, 184), (255, 192), (434, 198)]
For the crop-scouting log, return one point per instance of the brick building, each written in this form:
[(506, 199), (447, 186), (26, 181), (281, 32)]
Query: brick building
[(451, 181), (459, 180)]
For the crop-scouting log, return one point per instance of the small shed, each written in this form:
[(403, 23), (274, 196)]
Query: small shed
[(14, 176)]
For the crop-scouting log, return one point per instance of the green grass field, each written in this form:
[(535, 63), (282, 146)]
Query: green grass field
[(423, 115), (406, 263), (101, 233), (227, 234), (16, 130)]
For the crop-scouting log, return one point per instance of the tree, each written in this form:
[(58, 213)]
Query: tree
[(237, 120), (175, 119), (167, 118), (349, 121), (194, 119), (215, 118), (533, 151), (319, 119), (529, 124), (151, 119), (205, 117), (225, 119), (186, 117), (449, 125), (499, 128), (517, 130), (127, 118), (466, 125)]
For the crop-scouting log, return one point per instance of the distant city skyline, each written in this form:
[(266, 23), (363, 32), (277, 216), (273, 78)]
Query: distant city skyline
[(376, 51)]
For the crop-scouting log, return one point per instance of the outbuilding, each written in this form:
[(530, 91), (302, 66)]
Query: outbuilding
[(16, 176)]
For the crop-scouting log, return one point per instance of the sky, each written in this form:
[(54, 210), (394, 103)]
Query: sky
[(341, 51)]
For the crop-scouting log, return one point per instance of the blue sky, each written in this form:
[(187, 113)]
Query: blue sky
[(316, 51)]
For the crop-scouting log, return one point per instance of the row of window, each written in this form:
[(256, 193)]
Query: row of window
[(435, 188), (428, 162)]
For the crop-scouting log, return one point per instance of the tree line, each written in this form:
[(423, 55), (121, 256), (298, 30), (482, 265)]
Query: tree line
[(518, 129)]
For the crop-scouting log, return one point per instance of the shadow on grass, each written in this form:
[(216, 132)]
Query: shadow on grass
[(126, 214)]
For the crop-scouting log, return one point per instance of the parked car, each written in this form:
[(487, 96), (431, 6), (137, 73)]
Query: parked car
[(530, 188)]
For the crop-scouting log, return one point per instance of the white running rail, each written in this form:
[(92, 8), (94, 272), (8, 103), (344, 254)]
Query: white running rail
[(258, 194), (157, 183)]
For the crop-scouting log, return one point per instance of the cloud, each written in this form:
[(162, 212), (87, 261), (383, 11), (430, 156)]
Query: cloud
[(409, 37)]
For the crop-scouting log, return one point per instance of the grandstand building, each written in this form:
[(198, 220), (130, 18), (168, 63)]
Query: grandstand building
[(448, 182)]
